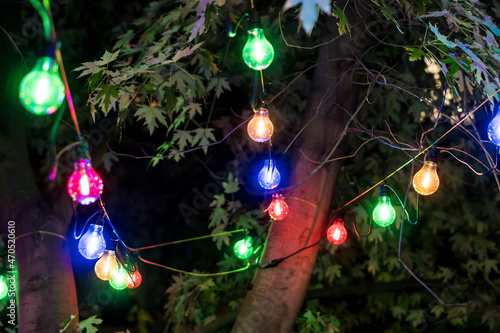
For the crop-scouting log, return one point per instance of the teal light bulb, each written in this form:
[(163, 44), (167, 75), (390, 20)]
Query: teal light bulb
[(42, 91), (258, 53), (3, 287), (384, 214), (119, 279), (243, 249)]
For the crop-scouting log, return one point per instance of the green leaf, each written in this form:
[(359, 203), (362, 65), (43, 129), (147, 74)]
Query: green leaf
[(88, 324), (104, 96), (151, 115), (343, 23), (232, 184), (202, 136), (415, 54), (193, 109), (182, 138)]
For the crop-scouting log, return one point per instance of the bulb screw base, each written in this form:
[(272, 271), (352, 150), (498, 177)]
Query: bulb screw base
[(432, 155)]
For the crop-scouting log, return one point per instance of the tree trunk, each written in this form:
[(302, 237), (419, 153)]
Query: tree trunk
[(278, 293), (46, 289)]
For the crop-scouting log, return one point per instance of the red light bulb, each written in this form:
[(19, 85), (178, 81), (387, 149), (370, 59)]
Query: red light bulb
[(278, 209), (337, 233), (84, 185), (135, 281)]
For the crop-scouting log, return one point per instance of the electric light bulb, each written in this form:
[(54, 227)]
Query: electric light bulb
[(106, 266), (4, 289), (269, 177), (426, 180), (42, 91), (278, 209), (494, 129), (119, 280), (92, 245), (384, 214), (260, 128), (84, 185), (258, 53), (134, 281), (243, 248), (337, 233)]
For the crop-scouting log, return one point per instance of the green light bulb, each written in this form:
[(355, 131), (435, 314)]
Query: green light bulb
[(384, 214), (119, 280), (3, 287), (243, 249), (258, 53), (42, 91)]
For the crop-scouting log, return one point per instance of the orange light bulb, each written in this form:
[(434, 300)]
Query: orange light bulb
[(426, 180), (260, 128), (106, 266)]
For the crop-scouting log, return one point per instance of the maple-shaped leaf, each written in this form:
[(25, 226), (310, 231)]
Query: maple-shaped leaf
[(203, 136), (343, 23), (87, 325), (185, 52), (193, 109), (232, 184), (182, 138), (308, 12), (108, 95), (151, 115), (415, 54), (440, 37)]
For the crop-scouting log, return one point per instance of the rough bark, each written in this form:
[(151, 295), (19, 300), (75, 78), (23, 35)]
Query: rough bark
[(46, 288), (278, 293)]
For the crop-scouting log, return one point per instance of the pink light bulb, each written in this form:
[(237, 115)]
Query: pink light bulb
[(84, 185)]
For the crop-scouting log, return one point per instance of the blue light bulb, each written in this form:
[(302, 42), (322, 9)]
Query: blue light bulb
[(494, 130), (269, 177), (92, 245)]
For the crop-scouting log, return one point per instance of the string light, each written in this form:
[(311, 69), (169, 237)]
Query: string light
[(260, 128), (494, 129), (337, 234), (269, 176), (92, 245), (243, 248), (42, 91), (4, 289), (134, 281), (384, 214), (278, 209), (106, 266), (426, 180), (258, 53), (120, 277)]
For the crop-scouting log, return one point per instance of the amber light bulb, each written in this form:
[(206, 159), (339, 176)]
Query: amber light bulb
[(426, 180), (106, 267), (260, 128)]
